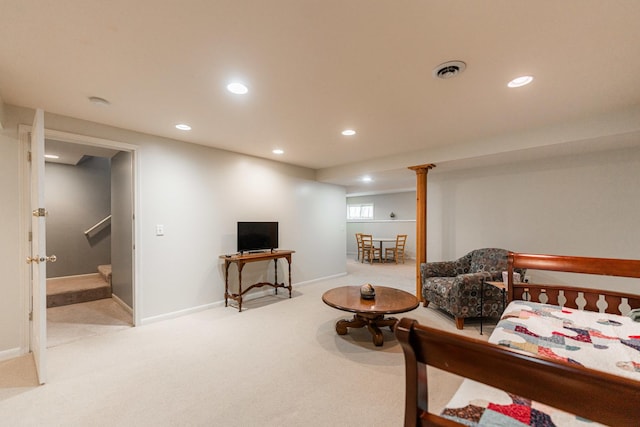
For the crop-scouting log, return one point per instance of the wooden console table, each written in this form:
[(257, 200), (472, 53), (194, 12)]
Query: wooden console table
[(241, 260)]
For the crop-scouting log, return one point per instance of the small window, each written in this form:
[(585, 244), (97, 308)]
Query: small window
[(360, 211)]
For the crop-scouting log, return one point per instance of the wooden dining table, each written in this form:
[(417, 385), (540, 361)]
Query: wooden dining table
[(383, 240)]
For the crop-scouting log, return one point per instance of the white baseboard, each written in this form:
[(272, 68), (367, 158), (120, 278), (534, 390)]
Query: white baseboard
[(122, 304), (73, 276), (247, 297), (179, 313), (309, 282), (12, 353)]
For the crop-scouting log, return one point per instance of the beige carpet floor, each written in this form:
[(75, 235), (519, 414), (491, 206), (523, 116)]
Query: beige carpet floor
[(278, 363), (78, 321)]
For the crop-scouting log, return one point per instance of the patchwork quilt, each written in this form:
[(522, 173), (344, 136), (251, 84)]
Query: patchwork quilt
[(601, 341)]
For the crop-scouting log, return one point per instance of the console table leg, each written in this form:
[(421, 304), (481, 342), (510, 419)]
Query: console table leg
[(226, 282), (290, 287), (275, 277), (240, 267)]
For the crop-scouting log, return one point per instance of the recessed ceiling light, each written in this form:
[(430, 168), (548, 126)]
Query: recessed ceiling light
[(237, 88), (183, 126), (278, 151), (99, 101), (520, 81), (366, 179), (348, 132), (51, 156)]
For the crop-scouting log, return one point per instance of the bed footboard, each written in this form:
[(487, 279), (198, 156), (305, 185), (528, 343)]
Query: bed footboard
[(594, 395)]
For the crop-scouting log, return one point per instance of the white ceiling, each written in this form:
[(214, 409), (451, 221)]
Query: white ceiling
[(316, 67)]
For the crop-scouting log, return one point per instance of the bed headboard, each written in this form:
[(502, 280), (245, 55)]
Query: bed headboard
[(608, 301)]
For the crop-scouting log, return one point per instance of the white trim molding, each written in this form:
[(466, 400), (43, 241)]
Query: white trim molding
[(12, 353)]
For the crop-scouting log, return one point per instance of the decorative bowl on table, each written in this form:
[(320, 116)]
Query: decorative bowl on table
[(367, 291)]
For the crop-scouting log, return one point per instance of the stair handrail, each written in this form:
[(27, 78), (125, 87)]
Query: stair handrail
[(101, 222)]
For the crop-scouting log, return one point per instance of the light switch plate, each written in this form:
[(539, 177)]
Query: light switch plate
[(159, 230)]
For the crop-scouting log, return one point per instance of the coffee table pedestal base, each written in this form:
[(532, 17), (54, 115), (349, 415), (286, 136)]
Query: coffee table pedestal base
[(373, 322)]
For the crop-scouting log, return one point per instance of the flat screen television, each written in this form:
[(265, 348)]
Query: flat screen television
[(257, 236)]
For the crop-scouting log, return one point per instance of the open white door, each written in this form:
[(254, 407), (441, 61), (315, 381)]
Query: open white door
[(38, 258)]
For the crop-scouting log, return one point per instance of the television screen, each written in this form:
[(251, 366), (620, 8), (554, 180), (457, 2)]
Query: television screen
[(257, 236)]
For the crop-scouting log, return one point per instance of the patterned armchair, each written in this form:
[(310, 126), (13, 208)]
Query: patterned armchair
[(454, 286)]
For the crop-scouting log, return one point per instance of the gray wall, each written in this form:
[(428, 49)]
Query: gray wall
[(122, 227), (77, 197)]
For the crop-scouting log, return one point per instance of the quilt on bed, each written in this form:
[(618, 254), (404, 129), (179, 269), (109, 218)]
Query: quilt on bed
[(601, 341)]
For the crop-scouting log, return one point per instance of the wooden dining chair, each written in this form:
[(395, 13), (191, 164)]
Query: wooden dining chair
[(359, 242), (369, 250), (397, 252)]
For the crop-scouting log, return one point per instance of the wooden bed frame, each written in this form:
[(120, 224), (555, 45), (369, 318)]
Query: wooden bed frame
[(571, 264), (592, 394)]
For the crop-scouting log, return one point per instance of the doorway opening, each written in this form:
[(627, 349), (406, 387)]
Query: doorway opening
[(88, 195), (124, 259)]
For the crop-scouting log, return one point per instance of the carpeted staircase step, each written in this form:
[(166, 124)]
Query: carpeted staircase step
[(75, 289), (105, 272)]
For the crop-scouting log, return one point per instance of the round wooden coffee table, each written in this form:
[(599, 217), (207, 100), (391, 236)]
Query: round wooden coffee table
[(369, 312)]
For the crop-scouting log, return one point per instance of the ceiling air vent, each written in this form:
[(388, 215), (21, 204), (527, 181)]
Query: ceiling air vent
[(449, 69)]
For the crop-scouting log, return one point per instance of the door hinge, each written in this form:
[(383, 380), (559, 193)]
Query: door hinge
[(28, 156), (30, 236), (40, 212), (31, 316)]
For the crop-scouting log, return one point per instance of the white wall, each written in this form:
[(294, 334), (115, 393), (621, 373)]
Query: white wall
[(402, 204), (198, 194), (585, 205), (11, 304)]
